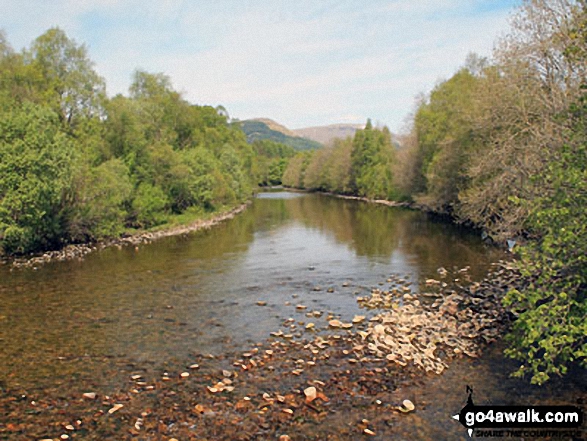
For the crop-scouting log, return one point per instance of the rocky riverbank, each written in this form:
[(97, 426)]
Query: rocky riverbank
[(318, 377), (78, 251), (374, 201)]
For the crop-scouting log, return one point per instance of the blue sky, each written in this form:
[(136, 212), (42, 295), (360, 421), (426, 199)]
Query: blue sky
[(300, 62)]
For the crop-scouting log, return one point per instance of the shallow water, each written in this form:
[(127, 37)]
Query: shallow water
[(197, 293), (81, 322)]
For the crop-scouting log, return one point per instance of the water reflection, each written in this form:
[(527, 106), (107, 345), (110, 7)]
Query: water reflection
[(198, 293)]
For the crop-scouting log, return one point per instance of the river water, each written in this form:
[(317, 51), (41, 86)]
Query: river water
[(78, 321)]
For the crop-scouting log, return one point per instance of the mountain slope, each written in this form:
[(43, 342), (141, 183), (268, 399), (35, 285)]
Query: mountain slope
[(257, 129), (325, 134), (274, 125)]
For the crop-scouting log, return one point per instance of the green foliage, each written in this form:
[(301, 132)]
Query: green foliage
[(35, 179), (272, 159), (80, 167), (338, 167), (445, 138), (103, 193), (502, 146), (371, 163), (69, 80), (551, 330), (361, 166), (296, 169), (272, 149), (149, 205)]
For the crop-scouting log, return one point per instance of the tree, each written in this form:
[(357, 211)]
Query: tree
[(149, 205), (338, 174), (372, 157), (445, 139), (69, 77), (102, 196), (35, 179), (518, 125), (551, 330), (294, 174)]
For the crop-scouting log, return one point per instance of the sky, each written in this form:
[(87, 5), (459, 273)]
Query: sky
[(300, 62)]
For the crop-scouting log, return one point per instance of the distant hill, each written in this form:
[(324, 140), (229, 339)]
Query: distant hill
[(325, 134), (264, 128), (274, 125)]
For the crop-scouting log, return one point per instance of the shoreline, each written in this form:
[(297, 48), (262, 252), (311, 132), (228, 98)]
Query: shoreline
[(78, 251), (373, 201), (336, 381), (414, 206)]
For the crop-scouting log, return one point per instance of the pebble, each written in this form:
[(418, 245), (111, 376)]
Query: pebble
[(310, 393), (115, 408)]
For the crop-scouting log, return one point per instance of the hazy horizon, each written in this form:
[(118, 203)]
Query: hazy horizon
[(302, 65)]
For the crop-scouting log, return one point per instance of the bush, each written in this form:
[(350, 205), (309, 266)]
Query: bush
[(551, 330), (103, 193), (35, 179), (149, 205)]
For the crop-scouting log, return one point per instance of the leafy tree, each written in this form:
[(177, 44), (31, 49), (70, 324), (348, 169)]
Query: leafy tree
[(338, 174), (202, 184), (551, 330), (19, 81), (372, 157), (272, 159), (69, 77), (294, 174), (124, 129), (35, 179), (445, 139), (315, 174), (149, 205), (102, 193), (113, 164), (518, 123)]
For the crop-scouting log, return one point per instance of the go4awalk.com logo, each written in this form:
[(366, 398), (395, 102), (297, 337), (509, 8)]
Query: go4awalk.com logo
[(520, 421)]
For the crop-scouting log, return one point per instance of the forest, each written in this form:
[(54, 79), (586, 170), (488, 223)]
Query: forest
[(501, 146), (77, 166)]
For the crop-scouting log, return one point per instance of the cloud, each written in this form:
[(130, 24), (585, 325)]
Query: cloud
[(301, 63)]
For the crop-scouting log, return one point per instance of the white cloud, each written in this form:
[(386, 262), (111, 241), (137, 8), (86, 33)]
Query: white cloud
[(302, 63)]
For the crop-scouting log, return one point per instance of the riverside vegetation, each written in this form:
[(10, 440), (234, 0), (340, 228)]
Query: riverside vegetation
[(78, 167), (501, 145)]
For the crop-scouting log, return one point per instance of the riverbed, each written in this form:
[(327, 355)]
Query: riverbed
[(88, 325)]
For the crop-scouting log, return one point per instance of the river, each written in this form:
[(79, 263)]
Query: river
[(74, 323)]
